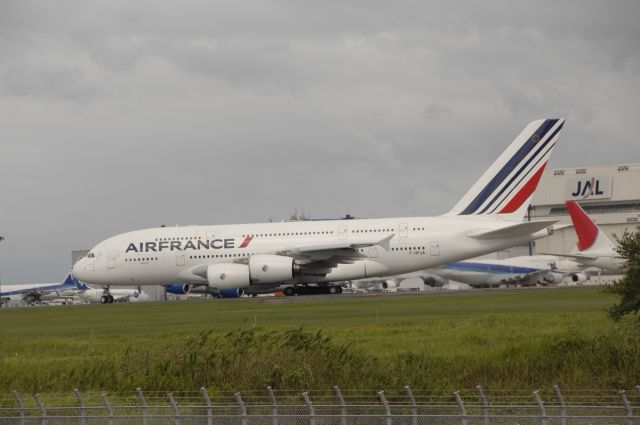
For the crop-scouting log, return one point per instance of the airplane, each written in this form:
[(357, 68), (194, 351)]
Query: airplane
[(486, 219), (94, 295), (34, 293), (594, 248), (524, 270)]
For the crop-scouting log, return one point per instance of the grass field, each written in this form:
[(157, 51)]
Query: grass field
[(517, 340)]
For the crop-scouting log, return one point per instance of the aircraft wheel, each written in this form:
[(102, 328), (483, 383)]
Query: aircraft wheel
[(104, 299), (333, 290), (289, 291), (111, 299), (339, 289)]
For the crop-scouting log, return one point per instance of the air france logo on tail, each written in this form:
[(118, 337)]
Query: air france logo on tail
[(513, 178)]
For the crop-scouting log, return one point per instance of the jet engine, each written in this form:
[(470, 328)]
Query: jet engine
[(389, 284), (228, 276), (551, 278), (230, 293), (178, 288), (269, 269), (261, 270), (578, 278)]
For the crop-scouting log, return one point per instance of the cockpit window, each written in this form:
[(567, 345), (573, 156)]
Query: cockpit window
[(91, 255)]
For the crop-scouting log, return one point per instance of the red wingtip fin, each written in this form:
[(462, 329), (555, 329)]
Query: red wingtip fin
[(586, 230)]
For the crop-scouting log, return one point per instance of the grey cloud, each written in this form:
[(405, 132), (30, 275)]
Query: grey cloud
[(120, 115)]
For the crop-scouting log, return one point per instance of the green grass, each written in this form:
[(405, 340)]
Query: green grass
[(523, 339)]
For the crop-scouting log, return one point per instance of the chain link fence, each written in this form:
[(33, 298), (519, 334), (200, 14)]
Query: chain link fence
[(403, 408)]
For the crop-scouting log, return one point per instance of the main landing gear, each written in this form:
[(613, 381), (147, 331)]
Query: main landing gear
[(106, 297)]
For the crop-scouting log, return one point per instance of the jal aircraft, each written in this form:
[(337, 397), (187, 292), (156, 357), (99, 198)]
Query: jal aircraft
[(594, 248), (488, 218)]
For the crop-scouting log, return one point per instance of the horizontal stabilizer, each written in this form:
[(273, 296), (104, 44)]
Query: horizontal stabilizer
[(514, 230)]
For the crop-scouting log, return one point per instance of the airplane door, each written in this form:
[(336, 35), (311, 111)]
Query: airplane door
[(111, 260), (373, 252), (180, 259), (342, 231), (434, 248), (403, 229)]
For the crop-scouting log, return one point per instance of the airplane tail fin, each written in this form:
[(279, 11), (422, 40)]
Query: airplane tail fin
[(506, 188), (592, 241), (80, 286)]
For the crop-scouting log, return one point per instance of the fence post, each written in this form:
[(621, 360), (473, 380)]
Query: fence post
[(174, 404), (43, 411), (83, 412), (627, 407), (563, 407), (543, 412), (312, 412), (143, 405), (16, 396), (485, 405), (343, 406), (414, 406), (385, 403), (463, 411), (243, 408), (107, 404), (274, 405), (638, 390), (207, 400)]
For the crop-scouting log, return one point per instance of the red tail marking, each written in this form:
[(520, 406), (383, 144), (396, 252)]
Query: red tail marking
[(527, 190), (246, 241), (586, 230)]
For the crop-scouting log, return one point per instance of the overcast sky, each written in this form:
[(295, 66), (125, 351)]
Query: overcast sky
[(120, 115)]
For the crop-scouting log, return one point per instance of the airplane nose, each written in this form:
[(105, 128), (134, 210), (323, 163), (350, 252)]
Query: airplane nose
[(79, 269)]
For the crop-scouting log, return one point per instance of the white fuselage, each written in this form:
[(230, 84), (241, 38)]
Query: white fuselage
[(163, 256), (94, 295)]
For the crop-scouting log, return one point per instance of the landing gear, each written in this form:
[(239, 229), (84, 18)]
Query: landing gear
[(106, 297), (312, 290)]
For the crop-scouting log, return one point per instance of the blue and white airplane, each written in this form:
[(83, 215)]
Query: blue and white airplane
[(94, 295), (525, 270), (486, 219), (33, 293)]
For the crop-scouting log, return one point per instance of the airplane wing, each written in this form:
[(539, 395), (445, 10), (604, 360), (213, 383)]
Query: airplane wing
[(514, 230), (526, 278), (574, 256), (320, 259)]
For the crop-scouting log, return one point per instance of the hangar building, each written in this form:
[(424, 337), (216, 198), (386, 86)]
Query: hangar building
[(610, 194)]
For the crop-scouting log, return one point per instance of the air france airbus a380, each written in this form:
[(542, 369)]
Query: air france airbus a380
[(487, 219)]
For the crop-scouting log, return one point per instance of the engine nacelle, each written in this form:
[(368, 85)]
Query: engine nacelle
[(178, 288), (550, 278), (230, 293), (228, 276), (578, 277), (270, 269), (389, 284)]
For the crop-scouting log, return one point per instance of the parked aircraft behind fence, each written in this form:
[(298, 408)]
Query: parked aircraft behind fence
[(488, 218)]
